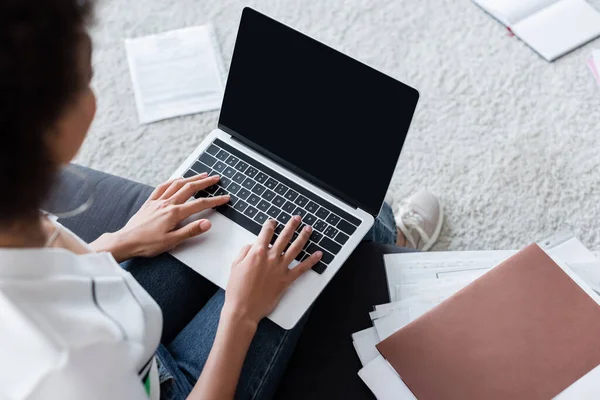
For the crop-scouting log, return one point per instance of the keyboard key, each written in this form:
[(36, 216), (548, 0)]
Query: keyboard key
[(271, 183), (274, 238), (263, 205), (309, 219), (319, 268), (253, 199), (201, 194), (280, 227), (268, 195), (273, 212), (312, 207), (327, 257), (291, 195), (224, 182), (232, 200), (281, 189), (342, 238), (222, 155), (220, 166), (260, 218), (232, 160), (330, 231), (330, 245), (248, 183), (299, 211), (213, 150), (239, 177), (200, 168), (346, 227), (190, 173), (221, 192), (240, 206), (229, 172), (278, 201), (300, 256), (241, 166), (333, 219), (251, 172), (301, 201), (322, 213), (259, 189), (316, 236), (320, 226), (251, 212), (284, 217), (233, 188), (261, 178), (289, 207), (243, 194), (240, 219), (208, 159), (212, 189)]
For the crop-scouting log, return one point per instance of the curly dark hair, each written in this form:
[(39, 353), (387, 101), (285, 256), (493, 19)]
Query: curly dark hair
[(39, 76)]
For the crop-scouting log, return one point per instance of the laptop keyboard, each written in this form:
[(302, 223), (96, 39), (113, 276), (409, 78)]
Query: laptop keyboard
[(259, 193)]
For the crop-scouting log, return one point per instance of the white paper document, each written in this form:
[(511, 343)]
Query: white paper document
[(418, 282), (175, 73)]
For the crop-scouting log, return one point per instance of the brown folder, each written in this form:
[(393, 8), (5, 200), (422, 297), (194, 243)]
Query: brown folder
[(525, 330)]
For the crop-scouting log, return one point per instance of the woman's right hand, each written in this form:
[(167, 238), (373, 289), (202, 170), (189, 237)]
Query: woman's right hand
[(260, 275)]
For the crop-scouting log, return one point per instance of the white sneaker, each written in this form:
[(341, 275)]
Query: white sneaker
[(420, 218)]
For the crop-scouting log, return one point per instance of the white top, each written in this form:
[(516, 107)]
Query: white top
[(75, 327)]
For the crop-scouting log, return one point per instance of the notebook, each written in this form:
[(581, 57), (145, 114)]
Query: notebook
[(552, 28), (507, 335)]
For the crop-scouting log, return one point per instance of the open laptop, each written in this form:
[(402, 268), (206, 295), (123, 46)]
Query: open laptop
[(303, 130)]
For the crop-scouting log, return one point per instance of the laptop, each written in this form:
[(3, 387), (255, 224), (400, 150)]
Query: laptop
[(303, 130)]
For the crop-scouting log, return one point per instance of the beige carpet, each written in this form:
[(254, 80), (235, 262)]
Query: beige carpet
[(508, 141)]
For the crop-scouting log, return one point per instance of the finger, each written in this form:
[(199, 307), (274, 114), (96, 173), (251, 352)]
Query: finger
[(192, 187), (243, 253), (286, 235), (304, 266), (160, 189), (178, 183), (198, 205), (298, 245), (266, 233), (191, 230)]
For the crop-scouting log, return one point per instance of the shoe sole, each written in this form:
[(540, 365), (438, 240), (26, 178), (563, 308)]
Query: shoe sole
[(438, 229)]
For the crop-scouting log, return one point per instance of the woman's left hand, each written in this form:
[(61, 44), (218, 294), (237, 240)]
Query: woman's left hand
[(154, 229)]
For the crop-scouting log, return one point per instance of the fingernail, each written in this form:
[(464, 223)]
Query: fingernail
[(205, 225), (308, 228), (297, 218), (319, 254)]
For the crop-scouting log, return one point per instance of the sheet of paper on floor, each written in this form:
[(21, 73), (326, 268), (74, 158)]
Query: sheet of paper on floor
[(175, 73)]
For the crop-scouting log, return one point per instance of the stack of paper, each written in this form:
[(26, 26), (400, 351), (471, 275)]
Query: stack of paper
[(418, 282), (594, 64)]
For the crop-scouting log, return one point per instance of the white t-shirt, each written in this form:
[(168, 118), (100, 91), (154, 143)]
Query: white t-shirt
[(75, 327)]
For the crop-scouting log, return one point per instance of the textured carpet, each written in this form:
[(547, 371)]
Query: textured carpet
[(508, 141)]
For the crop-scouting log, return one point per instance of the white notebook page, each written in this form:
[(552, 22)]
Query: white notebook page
[(509, 12), (560, 28)]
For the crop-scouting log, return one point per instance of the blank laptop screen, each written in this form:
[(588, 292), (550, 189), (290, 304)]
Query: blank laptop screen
[(324, 115)]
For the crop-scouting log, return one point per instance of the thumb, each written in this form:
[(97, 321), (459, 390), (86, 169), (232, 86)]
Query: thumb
[(192, 229)]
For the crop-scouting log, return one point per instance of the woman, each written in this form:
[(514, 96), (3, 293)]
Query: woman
[(73, 323)]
